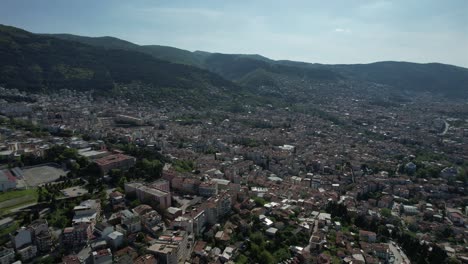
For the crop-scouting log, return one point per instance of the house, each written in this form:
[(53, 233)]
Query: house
[(382, 251), (146, 259), (103, 229), (103, 256), (117, 200), (228, 253), (410, 210), (455, 216), (72, 259), (7, 255), (7, 181), (367, 236), (449, 172), (183, 223), (21, 238), (27, 252), (142, 209), (271, 231), (130, 222), (150, 219), (88, 211), (125, 255), (174, 212), (410, 168), (115, 239)]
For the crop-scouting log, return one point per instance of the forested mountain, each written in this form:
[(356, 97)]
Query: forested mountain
[(44, 63), (40, 63), (256, 70)]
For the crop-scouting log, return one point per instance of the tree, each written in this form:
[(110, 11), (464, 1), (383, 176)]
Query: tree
[(281, 254), (140, 237), (386, 212), (266, 257)]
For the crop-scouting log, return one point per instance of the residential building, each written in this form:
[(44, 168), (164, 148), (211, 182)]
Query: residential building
[(115, 239), (208, 189), (103, 256), (21, 237), (103, 229), (171, 248), (150, 195), (7, 180), (130, 222), (88, 211), (78, 234), (115, 161), (7, 255), (27, 252), (41, 235), (146, 259), (367, 236)]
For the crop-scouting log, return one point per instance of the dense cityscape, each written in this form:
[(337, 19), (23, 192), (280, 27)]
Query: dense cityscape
[(94, 180), (234, 132)]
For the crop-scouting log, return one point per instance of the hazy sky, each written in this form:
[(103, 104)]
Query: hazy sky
[(323, 31)]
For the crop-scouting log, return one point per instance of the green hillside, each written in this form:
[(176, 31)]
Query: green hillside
[(40, 63)]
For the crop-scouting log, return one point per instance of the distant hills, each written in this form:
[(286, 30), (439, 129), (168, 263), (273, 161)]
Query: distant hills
[(256, 70), (41, 63), (111, 66)]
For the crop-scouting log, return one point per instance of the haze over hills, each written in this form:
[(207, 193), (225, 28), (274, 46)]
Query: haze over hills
[(45, 62)]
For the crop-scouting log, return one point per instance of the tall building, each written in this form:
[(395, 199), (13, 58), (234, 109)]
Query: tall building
[(148, 194), (171, 248), (41, 235)]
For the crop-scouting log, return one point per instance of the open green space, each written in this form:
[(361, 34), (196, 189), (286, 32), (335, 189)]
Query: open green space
[(14, 199), (15, 194)]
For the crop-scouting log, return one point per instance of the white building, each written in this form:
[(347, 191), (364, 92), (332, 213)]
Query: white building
[(115, 239), (87, 212)]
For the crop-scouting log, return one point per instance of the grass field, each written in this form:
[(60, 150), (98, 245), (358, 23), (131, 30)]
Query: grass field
[(4, 232), (15, 194), (13, 199)]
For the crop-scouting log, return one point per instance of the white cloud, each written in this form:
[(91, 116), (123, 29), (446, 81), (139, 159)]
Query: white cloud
[(343, 30)]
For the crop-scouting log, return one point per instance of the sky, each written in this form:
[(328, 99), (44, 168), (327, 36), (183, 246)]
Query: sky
[(317, 31)]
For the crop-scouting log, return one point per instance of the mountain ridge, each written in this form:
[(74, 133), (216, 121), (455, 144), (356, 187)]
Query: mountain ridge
[(445, 79), (108, 61), (40, 63)]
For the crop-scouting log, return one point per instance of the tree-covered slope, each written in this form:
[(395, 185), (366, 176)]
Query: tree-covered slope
[(448, 80), (254, 71), (234, 67), (41, 63)]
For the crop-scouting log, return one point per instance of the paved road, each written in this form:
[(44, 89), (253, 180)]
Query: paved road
[(17, 209), (446, 128), (400, 256)]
